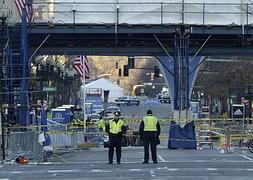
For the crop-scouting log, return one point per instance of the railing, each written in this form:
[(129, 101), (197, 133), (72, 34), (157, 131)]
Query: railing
[(144, 13)]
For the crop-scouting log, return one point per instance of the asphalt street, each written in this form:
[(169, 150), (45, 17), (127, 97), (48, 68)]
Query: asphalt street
[(160, 110), (173, 164)]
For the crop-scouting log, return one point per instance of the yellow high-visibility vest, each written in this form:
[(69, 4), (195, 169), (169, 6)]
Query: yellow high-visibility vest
[(101, 124), (116, 128), (150, 123)]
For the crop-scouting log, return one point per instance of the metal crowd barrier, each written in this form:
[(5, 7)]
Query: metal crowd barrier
[(22, 143), (26, 143)]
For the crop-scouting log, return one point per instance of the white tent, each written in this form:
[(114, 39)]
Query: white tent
[(105, 85)]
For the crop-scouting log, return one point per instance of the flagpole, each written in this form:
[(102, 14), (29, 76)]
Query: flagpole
[(84, 97)]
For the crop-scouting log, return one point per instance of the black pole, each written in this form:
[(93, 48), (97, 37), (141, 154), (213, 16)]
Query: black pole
[(3, 140), (1, 86)]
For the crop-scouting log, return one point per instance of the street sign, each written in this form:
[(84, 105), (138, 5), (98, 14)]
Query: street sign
[(49, 89)]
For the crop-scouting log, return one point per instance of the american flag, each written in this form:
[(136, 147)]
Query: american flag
[(20, 4), (82, 66)]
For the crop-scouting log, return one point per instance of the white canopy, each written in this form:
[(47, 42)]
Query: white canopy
[(114, 90)]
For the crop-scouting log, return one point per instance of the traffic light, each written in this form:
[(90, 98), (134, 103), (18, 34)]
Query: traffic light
[(131, 62), (156, 72), (120, 72), (116, 65), (125, 70)]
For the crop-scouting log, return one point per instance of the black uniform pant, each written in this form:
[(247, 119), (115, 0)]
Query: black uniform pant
[(114, 141), (150, 139)]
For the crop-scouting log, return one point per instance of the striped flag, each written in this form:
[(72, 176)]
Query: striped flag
[(82, 65), (20, 4)]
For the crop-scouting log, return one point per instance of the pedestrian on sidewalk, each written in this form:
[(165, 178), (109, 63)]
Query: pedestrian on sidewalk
[(149, 131), (115, 128)]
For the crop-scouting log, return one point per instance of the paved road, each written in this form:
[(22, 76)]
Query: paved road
[(161, 110), (173, 164)]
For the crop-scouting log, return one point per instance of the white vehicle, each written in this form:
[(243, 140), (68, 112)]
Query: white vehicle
[(111, 109), (94, 118), (127, 100)]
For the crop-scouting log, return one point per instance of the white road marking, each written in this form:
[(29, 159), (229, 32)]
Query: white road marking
[(139, 162), (212, 169), (172, 169), (135, 169), (161, 158), (48, 162), (152, 173), (162, 168), (199, 161), (249, 169), (4, 179), (45, 163), (16, 172), (63, 171), (1, 166), (100, 171), (246, 157), (131, 162)]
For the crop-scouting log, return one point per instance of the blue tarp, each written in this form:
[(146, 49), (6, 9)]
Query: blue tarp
[(184, 138)]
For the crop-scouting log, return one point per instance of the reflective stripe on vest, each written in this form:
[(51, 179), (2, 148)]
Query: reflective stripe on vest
[(150, 123), (115, 128)]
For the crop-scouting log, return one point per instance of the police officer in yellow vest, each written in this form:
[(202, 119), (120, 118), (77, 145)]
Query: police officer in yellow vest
[(115, 128), (149, 131)]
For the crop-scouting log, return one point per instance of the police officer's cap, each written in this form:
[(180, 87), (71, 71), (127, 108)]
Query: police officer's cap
[(149, 112), (117, 113)]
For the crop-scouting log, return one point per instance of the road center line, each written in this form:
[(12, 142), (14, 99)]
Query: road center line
[(161, 158)]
